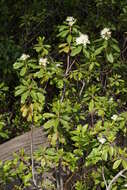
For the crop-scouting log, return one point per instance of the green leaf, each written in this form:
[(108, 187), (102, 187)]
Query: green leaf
[(69, 38), (116, 48), (124, 164), (115, 188), (23, 71), (48, 115), (101, 113), (20, 91), (105, 44), (26, 178), (39, 74), (111, 151), (33, 95), (76, 51), (50, 123), (91, 66), (98, 51), (17, 65), (3, 135), (63, 33), (86, 53), (85, 127), (65, 49), (54, 139), (62, 45), (65, 124), (38, 48), (24, 97), (43, 162), (41, 97), (116, 164), (63, 27), (110, 57), (105, 155), (33, 66), (91, 106)]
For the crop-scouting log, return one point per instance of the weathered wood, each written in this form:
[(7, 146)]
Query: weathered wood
[(24, 141)]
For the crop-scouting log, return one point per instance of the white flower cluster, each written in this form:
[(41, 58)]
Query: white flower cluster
[(70, 20), (24, 57), (82, 39), (102, 140), (106, 33), (43, 61), (114, 117), (57, 65)]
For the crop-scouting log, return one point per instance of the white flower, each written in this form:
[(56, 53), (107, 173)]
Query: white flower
[(102, 140), (82, 39), (43, 61), (57, 65), (125, 185), (70, 20), (111, 99), (114, 117), (106, 33), (24, 57)]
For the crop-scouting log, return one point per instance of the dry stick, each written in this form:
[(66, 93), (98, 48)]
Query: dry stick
[(68, 69), (62, 98), (92, 119), (103, 175), (61, 178), (32, 158), (63, 93), (83, 85), (68, 180), (57, 180), (115, 178), (123, 176), (68, 63), (60, 186), (71, 64)]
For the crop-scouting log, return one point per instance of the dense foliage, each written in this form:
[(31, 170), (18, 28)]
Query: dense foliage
[(75, 88)]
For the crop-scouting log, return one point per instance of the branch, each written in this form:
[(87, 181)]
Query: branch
[(115, 178), (32, 158), (103, 175), (83, 85)]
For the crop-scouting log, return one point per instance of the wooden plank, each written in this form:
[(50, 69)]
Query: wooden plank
[(24, 141)]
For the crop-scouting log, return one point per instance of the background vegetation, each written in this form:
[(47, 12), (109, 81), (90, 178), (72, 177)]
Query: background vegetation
[(80, 96)]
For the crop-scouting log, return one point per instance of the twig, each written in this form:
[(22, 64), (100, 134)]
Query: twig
[(68, 69), (72, 64), (115, 178), (92, 119), (123, 176), (57, 179), (103, 175), (83, 85), (32, 158), (68, 180), (68, 64), (63, 93), (60, 174)]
